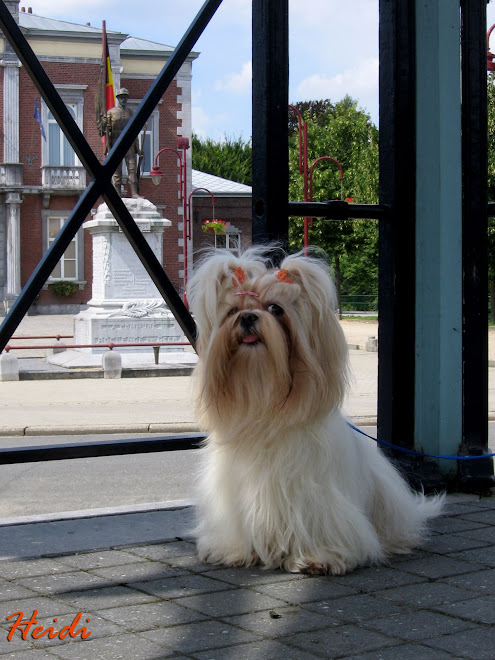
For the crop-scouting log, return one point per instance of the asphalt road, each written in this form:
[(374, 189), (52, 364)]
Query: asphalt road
[(34, 489), (92, 483)]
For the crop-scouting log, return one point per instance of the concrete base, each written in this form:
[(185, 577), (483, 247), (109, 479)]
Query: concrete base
[(126, 306), (148, 321), (9, 367), (73, 359)]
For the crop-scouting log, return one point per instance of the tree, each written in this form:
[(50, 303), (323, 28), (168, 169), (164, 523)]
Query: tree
[(230, 159), (346, 133), (316, 111)]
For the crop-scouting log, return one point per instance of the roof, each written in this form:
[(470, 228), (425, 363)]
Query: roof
[(41, 24), (34, 24), (134, 43), (218, 186)]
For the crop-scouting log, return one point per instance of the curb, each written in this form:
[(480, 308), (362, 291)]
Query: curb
[(153, 427), (124, 509), (147, 372), (97, 429)]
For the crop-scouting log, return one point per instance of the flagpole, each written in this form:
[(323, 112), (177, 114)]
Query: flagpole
[(104, 52)]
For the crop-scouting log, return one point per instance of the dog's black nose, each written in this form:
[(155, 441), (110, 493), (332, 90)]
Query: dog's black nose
[(247, 320)]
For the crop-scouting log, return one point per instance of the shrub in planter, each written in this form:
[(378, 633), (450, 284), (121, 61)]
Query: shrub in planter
[(63, 288), (214, 226)]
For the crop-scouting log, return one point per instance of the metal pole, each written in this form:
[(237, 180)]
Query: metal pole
[(270, 125)]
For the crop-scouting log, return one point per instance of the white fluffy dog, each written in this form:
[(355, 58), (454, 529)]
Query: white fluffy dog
[(286, 482)]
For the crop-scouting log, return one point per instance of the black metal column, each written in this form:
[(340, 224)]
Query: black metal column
[(476, 474), (397, 231), (270, 125)]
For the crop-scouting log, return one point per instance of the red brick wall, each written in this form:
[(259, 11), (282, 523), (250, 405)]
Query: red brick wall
[(166, 195)]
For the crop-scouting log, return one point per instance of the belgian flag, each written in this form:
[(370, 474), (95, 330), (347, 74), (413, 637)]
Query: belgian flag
[(105, 93)]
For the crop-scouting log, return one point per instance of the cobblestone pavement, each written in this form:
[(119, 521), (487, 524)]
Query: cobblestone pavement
[(159, 601)]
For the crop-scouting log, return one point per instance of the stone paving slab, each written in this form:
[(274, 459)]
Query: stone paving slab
[(156, 600)]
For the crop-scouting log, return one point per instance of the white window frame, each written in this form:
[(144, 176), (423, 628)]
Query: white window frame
[(78, 239), (232, 242), (152, 129), (72, 95)]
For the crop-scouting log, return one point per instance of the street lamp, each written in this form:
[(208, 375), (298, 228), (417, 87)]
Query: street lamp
[(303, 168), (189, 202), (490, 64), (341, 174), (302, 131), (156, 177)]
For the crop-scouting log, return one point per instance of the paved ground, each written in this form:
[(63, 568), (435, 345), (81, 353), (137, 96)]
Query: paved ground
[(155, 600), (137, 579)]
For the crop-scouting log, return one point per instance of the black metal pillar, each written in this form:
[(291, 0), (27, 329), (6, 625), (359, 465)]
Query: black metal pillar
[(475, 474), (397, 231), (270, 124)]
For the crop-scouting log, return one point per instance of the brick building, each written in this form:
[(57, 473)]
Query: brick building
[(232, 203), (42, 179)]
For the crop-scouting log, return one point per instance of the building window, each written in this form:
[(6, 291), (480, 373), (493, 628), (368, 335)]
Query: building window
[(230, 241), (147, 140), (70, 266), (56, 150), (59, 150)]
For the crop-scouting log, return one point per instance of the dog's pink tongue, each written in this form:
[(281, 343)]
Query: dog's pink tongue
[(249, 339)]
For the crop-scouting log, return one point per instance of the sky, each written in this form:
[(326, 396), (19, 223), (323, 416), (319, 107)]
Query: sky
[(333, 51)]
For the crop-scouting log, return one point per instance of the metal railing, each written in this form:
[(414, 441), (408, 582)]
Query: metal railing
[(359, 303), (155, 345)]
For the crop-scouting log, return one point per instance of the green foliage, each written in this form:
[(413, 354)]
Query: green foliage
[(230, 159), (345, 133)]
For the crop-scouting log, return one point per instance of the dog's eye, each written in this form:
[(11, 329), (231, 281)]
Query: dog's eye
[(276, 310), (232, 311)]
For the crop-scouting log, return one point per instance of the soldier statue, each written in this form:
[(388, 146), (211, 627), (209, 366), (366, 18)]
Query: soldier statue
[(113, 125)]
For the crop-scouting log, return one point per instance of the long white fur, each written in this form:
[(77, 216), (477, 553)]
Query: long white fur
[(285, 481)]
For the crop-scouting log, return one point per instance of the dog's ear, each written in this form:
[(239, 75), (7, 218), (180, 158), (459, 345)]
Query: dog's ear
[(316, 305), (213, 278), (313, 276)]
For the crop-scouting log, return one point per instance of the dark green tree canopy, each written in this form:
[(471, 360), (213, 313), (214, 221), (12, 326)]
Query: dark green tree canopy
[(229, 159)]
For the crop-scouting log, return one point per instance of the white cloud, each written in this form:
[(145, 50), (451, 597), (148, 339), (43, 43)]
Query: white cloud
[(238, 83), (357, 81), (200, 121)]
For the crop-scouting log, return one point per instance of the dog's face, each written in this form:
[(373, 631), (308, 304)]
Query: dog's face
[(269, 344)]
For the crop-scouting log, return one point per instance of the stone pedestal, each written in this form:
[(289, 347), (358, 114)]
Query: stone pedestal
[(126, 305)]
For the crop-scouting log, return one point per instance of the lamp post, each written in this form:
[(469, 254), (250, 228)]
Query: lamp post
[(308, 174), (189, 201), (341, 174), (156, 177), (490, 64), (302, 131)]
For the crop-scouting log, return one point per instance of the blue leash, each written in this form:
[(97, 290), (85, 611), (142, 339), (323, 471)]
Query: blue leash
[(418, 453)]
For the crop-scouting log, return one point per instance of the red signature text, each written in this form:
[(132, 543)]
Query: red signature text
[(30, 627)]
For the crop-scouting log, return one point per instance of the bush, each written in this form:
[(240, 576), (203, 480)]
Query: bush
[(63, 288)]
